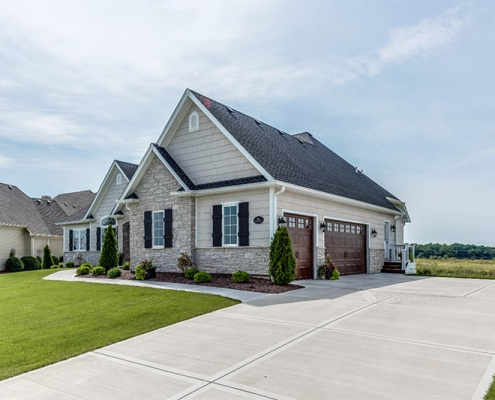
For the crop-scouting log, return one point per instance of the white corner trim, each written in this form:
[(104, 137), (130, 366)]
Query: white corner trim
[(229, 136)]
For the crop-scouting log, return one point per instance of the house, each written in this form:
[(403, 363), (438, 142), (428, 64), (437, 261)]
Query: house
[(217, 183), (28, 224)]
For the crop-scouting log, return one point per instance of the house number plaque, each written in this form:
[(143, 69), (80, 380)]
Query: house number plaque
[(258, 220)]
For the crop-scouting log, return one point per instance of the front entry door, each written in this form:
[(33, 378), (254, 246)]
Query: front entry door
[(301, 236)]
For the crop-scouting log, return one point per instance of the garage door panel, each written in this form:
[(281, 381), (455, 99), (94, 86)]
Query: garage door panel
[(345, 242), (301, 234)]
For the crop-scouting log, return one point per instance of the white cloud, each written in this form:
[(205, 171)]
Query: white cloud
[(6, 161)]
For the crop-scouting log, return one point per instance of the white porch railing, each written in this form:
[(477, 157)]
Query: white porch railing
[(404, 253)]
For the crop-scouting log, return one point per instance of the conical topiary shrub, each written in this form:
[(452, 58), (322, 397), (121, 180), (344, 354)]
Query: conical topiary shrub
[(47, 258), (109, 257), (282, 261)]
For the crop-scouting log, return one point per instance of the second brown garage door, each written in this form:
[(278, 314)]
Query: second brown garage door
[(345, 242)]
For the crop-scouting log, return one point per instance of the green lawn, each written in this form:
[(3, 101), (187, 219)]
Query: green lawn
[(456, 268), (490, 395), (42, 322)]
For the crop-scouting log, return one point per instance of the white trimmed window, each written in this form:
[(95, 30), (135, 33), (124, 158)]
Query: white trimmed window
[(79, 240), (158, 229), (119, 179), (193, 121), (230, 224), (104, 222)]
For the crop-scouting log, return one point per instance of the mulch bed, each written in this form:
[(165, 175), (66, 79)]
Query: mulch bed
[(261, 285)]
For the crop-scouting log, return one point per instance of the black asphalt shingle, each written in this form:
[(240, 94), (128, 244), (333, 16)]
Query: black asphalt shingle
[(127, 168), (293, 159)]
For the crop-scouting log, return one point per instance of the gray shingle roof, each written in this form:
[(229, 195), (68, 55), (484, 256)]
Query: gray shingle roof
[(128, 168), (293, 159), (72, 202), (17, 208), (78, 216)]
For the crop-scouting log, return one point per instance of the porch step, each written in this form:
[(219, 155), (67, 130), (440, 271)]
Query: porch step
[(393, 267)]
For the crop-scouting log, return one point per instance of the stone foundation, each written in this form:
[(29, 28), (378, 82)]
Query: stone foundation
[(224, 260), (320, 256), (91, 257), (377, 257)]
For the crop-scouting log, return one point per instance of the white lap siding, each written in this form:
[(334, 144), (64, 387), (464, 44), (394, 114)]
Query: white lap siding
[(16, 238)]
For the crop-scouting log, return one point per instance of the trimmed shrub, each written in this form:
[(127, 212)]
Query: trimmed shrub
[(82, 271), (240, 277), (109, 257), (69, 264), (184, 262), (140, 272), (114, 272), (55, 260), (30, 263), (40, 260), (14, 264), (335, 275), (61, 259), (126, 265), (189, 273), (282, 261), (202, 277), (87, 265), (54, 267), (60, 265), (47, 258), (98, 271)]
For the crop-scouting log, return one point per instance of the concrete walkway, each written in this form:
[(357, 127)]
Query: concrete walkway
[(363, 337)]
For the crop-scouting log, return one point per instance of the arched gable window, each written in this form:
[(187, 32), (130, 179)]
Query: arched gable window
[(119, 179), (193, 121)]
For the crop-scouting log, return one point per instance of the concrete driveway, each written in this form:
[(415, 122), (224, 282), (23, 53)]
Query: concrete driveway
[(363, 337)]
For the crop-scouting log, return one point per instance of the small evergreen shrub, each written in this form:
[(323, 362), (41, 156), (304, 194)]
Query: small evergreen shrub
[(87, 265), (109, 257), (114, 272), (55, 260), (60, 265), (98, 271), (61, 259), (140, 272), (14, 264), (184, 262), (30, 263), (47, 258), (82, 271), (69, 264), (54, 267), (240, 277), (202, 277), (126, 265), (335, 275), (40, 260), (189, 273), (282, 266)]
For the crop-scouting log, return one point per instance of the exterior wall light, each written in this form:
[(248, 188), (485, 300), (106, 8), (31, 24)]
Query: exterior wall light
[(374, 233), (282, 221), (323, 226), (392, 228)]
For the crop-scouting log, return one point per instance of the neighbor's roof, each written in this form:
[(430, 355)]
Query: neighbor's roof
[(72, 202), (17, 208), (298, 159), (127, 168)]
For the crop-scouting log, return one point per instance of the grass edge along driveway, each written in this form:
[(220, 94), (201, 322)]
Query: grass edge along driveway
[(43, 322)]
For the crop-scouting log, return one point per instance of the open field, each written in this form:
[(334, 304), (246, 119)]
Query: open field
[(454, 263), (43, 322), (482, 269)]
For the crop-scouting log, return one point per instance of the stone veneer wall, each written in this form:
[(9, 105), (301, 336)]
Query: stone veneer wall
[(92, 257), (320, 256), (377, 257), (225, 260), (154, 195)]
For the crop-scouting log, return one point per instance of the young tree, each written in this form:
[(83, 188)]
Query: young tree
[(109, 257), (282, 261), (47, 258)]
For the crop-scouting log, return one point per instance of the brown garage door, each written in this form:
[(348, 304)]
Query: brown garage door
[(345, 242), (301, 235)]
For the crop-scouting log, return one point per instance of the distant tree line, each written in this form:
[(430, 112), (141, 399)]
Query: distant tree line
[(456, 250)]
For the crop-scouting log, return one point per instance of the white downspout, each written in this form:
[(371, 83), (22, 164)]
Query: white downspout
[(273, 220)]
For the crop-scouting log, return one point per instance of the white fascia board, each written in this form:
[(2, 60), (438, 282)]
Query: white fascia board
[(7, 225), (170, 169), (339, 199), (122, 172), (81, 221), (227, 189), (102, 189), (172, 119), (237, 145), (401, 205), (136, 178)]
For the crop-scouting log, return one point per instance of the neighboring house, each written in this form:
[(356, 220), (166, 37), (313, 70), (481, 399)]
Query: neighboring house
[(83, 231), (28, 224), (216, 185)]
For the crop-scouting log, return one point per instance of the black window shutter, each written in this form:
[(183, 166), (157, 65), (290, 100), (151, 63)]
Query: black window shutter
[(71, 240), (88, 238), (98, 238), (168, 227), (148, 234), (243, 224), (217, 225)]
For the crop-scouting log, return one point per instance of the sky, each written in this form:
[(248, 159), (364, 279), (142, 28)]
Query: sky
[(402, 89)]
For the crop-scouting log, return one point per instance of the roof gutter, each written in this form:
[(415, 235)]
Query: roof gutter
[(81, 221)]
